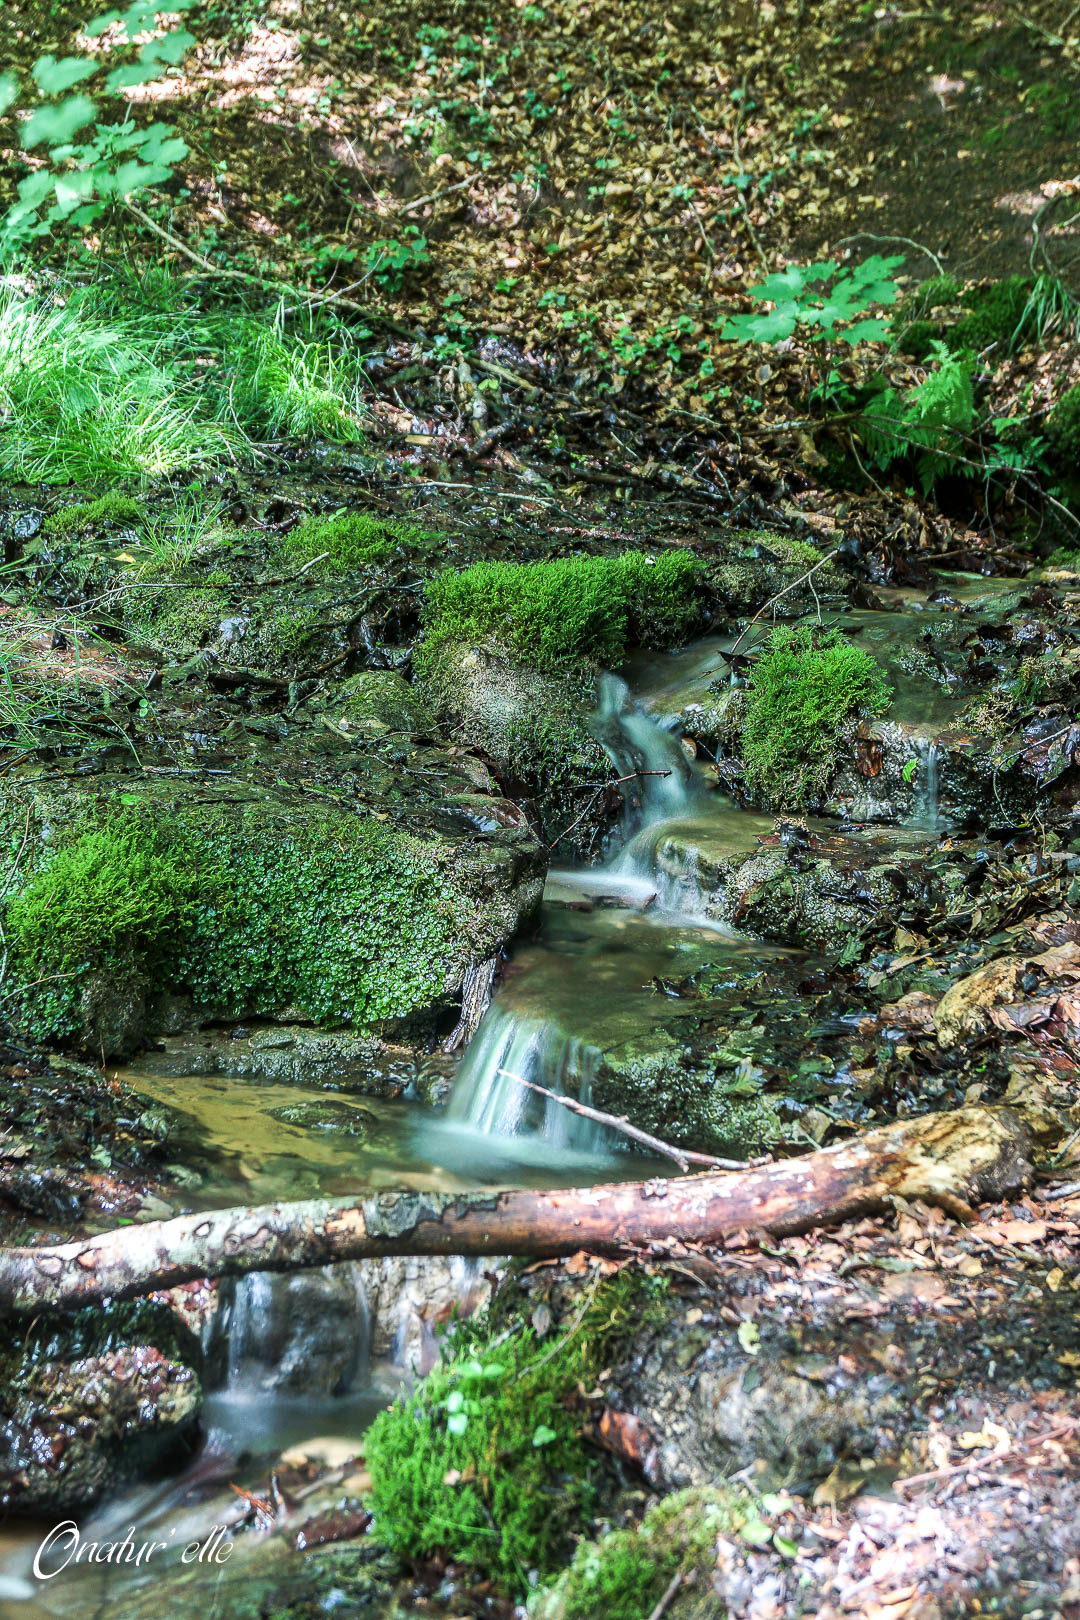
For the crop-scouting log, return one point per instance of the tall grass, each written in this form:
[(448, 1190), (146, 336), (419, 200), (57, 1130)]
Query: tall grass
[(130, 378)]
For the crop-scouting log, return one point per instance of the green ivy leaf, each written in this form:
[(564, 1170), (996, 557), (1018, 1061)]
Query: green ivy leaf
[(172, 48), (866, 331), (53, 78), (56, 124), (132, 74)]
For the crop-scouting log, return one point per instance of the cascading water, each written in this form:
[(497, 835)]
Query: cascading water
[(926, 813), (510, 1046)]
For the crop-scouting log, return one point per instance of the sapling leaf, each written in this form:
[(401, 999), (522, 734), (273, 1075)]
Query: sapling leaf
[(543, 1436), (53, 78), (9, 91), (56, 124)]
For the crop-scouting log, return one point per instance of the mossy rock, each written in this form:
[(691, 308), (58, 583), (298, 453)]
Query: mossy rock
[(535, 727), (108, 511), (568, 615), (382, 699), (625, 1574), (486, 1461), (258, 902), (748, 569)]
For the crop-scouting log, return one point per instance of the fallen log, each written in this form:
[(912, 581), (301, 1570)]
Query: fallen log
[(956, 1158)]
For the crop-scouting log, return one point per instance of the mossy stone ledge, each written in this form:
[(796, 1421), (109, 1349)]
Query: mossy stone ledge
[(247, 901)]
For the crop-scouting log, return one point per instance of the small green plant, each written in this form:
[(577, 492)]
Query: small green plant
[(294, 387), (822, 299), (389, 260), (803, 688), (566, 614), (486, 1461), (173, 537), (79, 179), (928, 423)]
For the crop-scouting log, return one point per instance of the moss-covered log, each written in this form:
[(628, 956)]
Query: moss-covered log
[(961, 1156)]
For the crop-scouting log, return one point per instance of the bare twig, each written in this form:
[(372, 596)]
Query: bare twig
[(683, 1157), (668, 1598), (602, 787), (774, 599), (433, 196), (871, 236), (970, 1464)]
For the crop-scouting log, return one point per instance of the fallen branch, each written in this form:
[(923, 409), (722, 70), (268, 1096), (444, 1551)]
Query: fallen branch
[(683, 1157), (970, 1154)]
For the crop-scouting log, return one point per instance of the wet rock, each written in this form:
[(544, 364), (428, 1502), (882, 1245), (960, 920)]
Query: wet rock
[(94, 1401), (305, 1334), (382, 698), (536, 730)]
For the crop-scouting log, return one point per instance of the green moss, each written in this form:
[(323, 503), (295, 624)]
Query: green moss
[(624, 1575), (565, 614), (803, 688), (998, 314), (917, 338), (385, 696), (1063, 431), (486, 1462), (347, 920), (349, 540), (179, 618), (92, 515)]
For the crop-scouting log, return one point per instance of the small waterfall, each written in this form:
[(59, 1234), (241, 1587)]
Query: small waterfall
[(302, 1334), (925, 811), (666, 789), (487, 1099)]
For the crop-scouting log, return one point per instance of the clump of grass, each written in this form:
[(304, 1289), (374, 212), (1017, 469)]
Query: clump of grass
[(566, 614), (805, 685), (89, 402), (344, 541), (295, 388), (486, 1460), (174, 536), (99, 514)]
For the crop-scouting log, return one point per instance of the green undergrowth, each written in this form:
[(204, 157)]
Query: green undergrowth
[(486, 1461), (565, 614), (625, 1574), (344, 541), (248, 909), (1063, 432), (1003, 315), (805, 685)]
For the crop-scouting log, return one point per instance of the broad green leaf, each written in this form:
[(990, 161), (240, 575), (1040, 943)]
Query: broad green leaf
[(757, 1532), (785, 1546), (136, 176), (876, 268), (53, 78), (131, 74), (783, 285), (455, 1401), (36, 187), (543, 1435), (73, 189), (866, 331), (56, 124), (771, 328), (458, 1423), (9, 91), (172, 48)]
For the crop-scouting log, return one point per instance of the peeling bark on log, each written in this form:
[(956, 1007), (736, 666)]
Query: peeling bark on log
[(964, 1156)]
